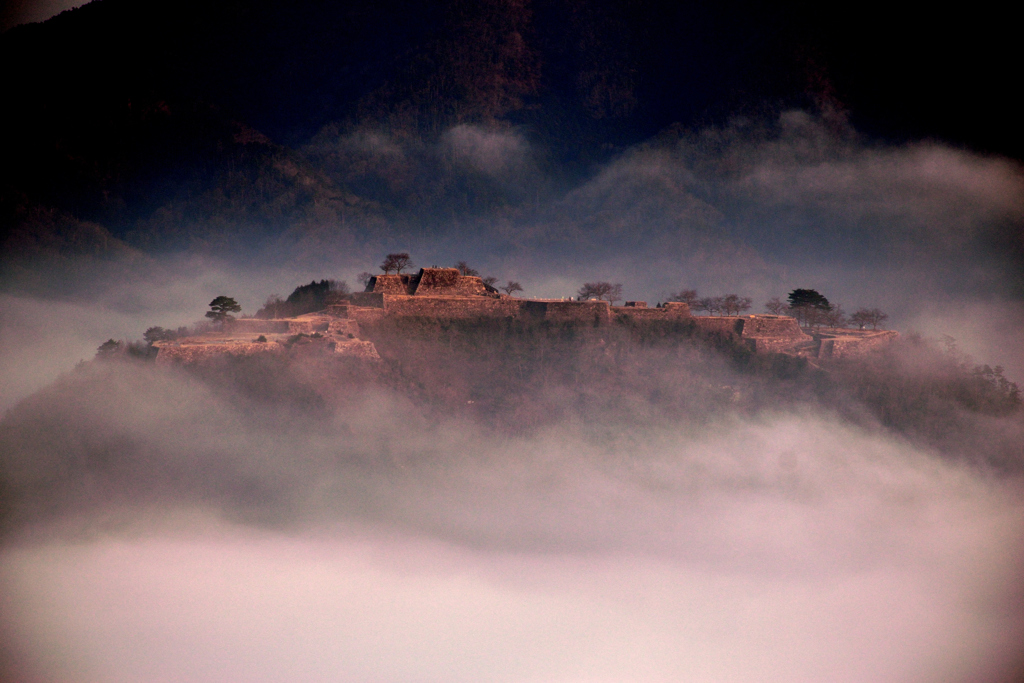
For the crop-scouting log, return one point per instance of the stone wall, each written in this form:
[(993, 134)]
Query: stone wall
[(839, 345), (366, 315), (677, 311), (429, 282), (344, 327), (582, 312), (357, 348), (726, 323), (171, 353), (367, 299), (452, 307), (389, 284), (308, 324), (772, 326), (448, 282), (258, 326)]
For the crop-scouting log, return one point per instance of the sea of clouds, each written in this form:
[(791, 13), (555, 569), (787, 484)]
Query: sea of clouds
[(160, 528)]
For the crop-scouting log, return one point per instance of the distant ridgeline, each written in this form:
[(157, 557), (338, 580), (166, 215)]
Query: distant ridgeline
[(326, 315)]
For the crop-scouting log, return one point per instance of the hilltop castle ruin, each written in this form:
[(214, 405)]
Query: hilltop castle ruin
[(446, 294)]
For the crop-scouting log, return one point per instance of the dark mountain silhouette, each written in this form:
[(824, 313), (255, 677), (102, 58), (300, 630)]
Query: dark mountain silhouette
[(193, 124)]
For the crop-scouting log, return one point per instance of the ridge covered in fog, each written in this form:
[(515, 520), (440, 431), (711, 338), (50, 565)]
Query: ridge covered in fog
[(473, 470)]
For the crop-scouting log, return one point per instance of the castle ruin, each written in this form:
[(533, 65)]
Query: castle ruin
[(446, 294)]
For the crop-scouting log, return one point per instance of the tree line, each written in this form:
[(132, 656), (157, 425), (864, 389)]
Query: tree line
[(811, 308)]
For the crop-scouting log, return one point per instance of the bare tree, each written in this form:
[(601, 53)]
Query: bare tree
[(877, 318), (711, 304), (364, 278), (868, 316), (776, 306), (686, 296), (490, 281), (396, 262), (812, 317), (464, 269), (511, 287), (834, 317), (733, 304), (604, 291)]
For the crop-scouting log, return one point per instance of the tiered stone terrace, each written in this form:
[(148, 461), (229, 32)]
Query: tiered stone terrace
[(445, 294)]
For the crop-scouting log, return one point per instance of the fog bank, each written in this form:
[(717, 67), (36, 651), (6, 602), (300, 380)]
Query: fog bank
[(170, 531)]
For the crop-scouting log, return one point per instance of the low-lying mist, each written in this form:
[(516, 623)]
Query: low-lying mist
[(501, 501), (597, 505)]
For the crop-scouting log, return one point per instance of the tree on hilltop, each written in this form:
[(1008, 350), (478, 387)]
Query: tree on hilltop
[(464, 269), (734, 304), (511, 287), (157, 333), (397, 262), (604, 291), (807, 306), (808, 298), (109, 348), (710, 304), (686, 296), (834, 317), (868, 316), (776, 306), (490, 281), (221, 309)]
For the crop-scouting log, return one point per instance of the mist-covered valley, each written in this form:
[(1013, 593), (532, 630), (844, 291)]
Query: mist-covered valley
[(505, 502), (502, 499), (511, 501)]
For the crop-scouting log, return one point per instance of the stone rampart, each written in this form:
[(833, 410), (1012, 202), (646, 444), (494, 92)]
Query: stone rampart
[(678, 308), (772, 326), (308, 324), (367, 300), (366, 315), (198, 352), (450, 307), (839, 345), (356, 348), (448, 282), (725, 324), (258, 326), (642, 313), (582, 312), (389, 284)]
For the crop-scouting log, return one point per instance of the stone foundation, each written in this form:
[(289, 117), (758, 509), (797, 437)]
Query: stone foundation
[(199, 351), (853, 343), (581, 312), (638, 312)]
